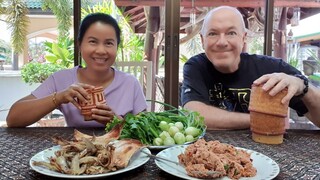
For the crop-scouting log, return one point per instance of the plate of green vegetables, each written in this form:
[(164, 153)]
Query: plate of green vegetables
[(160, 130)]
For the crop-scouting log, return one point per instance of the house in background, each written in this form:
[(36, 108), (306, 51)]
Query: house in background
[(308, 31)]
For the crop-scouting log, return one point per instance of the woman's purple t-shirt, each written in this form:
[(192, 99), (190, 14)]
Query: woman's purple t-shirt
[(124, 95)]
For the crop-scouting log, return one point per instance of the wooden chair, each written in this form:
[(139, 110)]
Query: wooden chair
[(143, 72)]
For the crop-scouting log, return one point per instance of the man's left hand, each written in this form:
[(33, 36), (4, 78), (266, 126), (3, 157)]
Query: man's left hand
[(276, 82)]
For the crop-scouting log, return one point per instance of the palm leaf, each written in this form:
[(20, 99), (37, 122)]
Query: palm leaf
[(63, 11), (18, 22), (2, 9)]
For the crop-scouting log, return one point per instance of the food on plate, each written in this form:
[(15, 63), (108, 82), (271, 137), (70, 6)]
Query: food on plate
[(113, 134), (177, 126), (92, 154), (213, 159)]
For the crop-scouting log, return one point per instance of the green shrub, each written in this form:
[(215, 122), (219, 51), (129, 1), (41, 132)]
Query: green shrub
[(59, 56), (35, 72)]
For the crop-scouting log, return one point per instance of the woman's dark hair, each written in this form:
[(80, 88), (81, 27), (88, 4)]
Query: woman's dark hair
[(95, 17)]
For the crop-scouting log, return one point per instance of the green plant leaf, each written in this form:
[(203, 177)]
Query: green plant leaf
[(35, 72), (51, 58), (61, 53)]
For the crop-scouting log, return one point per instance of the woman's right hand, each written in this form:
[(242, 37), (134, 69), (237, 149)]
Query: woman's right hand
[(73, 94)]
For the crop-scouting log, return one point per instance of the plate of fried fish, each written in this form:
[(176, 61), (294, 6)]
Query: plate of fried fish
[(90, 156)]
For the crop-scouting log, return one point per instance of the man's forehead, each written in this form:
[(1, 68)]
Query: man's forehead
[(224, 28), (226, 19), (223, 17), (222, 14), (226, 10)]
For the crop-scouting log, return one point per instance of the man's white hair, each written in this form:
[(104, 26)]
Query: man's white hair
[(212, 11)]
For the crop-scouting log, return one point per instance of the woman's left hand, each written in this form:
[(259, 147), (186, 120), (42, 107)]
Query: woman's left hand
[(102, 113)]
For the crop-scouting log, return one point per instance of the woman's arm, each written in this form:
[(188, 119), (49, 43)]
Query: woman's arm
[(29, 110)]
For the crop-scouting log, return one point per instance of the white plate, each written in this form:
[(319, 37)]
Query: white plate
[(164, 147), (136, 160), (266, 167)]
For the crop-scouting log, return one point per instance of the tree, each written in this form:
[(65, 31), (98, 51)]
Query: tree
[(16, 17), (62, 9), (16, 12), (1, 7)]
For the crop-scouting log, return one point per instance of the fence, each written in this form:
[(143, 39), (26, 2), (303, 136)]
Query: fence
[(143, 72)]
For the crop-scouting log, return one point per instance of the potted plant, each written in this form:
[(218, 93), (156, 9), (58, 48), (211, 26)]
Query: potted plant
[(312, 63)]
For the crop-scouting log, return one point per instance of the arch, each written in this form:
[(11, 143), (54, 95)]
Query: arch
[(41, 32)]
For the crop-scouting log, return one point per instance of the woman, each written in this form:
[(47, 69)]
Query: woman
[(99, 37)]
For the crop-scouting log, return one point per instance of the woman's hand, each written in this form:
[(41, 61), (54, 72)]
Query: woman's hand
[(102, 114), (73, 94), (276, 82)]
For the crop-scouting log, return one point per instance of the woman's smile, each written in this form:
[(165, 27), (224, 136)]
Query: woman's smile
[(100, 60)]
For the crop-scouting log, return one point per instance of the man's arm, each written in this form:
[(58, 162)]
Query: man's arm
[(216, 118), (312, 102)]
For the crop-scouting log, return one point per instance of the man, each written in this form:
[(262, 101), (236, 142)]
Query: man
[(217, 83)]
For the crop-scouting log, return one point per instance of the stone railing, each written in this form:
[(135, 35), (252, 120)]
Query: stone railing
[(12, 88)]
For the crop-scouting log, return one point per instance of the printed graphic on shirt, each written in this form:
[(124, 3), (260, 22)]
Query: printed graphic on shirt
[(230, 99)]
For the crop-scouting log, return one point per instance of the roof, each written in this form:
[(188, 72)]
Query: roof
[(135, 8), (307, 29), (138, 19), (34, 4)]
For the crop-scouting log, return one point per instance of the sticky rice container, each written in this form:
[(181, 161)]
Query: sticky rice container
[(267, 116), (96, 97)]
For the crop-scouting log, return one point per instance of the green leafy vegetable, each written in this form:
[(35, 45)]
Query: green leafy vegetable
[(147, 126)]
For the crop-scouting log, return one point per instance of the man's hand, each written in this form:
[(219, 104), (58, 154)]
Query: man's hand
[(276, 82)]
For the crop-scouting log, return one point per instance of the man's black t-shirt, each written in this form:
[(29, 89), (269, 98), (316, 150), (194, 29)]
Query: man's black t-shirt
[(202, 82)]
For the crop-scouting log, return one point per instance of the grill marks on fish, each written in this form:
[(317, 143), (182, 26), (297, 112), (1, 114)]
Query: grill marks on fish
[(113, 134), (124, 149)]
